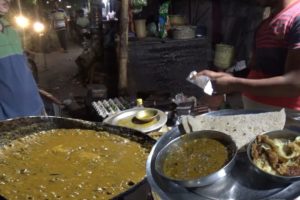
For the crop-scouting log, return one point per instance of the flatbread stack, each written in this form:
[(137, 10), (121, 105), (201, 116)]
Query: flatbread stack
[(242, 128)]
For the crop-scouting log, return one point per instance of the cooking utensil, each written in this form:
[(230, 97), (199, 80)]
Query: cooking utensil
[(146, 115), (280, 134), (189, 139), (129, 116), (183, 32), (21, 127)]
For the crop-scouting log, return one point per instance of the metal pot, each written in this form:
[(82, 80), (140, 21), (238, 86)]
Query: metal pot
[(183, 32), (16, 128), (224, 139)]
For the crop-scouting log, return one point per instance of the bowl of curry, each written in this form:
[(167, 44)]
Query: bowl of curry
[(275, 155), (197, 159)]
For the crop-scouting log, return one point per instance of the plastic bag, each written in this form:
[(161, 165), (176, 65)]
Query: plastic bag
[(163, 19), (203, 82), (137, 5)]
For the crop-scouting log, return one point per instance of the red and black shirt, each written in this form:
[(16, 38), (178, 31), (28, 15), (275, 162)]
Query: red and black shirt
[(274, 37)]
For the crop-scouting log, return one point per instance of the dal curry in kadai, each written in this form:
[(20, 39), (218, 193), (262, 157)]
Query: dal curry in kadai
[(70, 164)]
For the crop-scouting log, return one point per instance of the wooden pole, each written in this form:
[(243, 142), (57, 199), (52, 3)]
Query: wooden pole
[(190, 11), (97, 13), (123, 51)]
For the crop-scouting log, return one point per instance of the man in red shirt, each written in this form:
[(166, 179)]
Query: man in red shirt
[(274, 78)]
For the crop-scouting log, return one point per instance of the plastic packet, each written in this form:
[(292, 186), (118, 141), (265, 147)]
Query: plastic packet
[(182, 99), (239, 66), (137, 5), (203, 82), (163, 19)]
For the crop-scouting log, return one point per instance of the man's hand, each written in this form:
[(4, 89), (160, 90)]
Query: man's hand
[(223, 83)]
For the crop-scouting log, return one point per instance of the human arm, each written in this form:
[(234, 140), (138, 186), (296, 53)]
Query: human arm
[(287, 85)]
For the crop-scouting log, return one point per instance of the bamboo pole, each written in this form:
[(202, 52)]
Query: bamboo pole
[(94, 8), (123, 51)]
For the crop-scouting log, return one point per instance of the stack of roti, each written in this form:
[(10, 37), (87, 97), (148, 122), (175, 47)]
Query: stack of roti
[(242, 128)]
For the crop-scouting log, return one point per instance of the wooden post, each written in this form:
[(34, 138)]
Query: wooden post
[(190, 11), (123, 51), (97, 14)]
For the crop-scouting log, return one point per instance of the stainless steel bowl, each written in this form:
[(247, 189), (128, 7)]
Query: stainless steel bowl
[(281, 134), (226, 140), (146, 115)]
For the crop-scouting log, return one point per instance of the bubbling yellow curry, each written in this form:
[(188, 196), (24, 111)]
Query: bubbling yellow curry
[(70, 164)]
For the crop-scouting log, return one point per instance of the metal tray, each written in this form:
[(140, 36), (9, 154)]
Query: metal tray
[(243, 183), (130, 113)]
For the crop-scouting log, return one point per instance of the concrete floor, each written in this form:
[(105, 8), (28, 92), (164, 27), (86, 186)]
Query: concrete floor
[(56, 72)]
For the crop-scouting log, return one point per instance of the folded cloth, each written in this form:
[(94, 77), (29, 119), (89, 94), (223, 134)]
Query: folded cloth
[(242, 128)]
